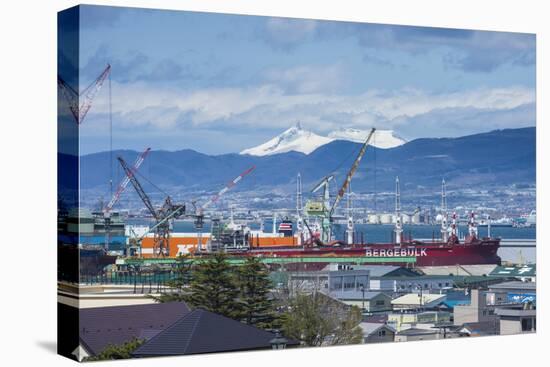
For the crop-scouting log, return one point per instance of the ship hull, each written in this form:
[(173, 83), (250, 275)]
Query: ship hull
[(424, 253)]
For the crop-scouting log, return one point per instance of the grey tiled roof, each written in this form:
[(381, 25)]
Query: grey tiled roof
[(514, 285), (101, 326), (201, 331)]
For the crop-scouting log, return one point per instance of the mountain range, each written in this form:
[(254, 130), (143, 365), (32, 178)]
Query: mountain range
[(500, 157), (296, 139)]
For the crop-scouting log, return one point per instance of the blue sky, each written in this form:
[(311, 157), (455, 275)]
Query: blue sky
[(220, 83)]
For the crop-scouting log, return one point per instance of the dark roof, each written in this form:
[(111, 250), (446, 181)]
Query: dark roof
[(371, 327), (482, 328), (201, 331), (387, 271), (379, 319), (416, 331), (101, 326), (514, 286)]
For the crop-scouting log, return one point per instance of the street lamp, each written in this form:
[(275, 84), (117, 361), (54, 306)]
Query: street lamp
[(279, 341)]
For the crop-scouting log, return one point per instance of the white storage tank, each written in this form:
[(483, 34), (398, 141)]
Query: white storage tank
[(374, 219), (386, 218)]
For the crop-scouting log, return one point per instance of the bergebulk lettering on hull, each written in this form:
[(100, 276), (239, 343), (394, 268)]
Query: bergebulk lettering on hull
[(396, 252)]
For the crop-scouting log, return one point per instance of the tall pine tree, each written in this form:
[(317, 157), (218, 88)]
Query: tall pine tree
[(256, 305), (178, 284), (213, 287)]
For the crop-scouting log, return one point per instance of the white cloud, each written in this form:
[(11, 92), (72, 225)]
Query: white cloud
[(271, 106)]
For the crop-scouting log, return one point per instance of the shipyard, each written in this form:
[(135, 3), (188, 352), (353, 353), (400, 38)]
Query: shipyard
[(288, 213), (436, 270)]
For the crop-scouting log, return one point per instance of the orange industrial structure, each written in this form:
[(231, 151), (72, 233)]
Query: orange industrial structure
[(183, 243)]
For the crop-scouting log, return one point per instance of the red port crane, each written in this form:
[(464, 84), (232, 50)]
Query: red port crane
[(121, 187), (80, 109)]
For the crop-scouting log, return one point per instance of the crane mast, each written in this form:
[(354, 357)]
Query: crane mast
[(162, 216), (351, 172), (80, 110), (121, 187), (139, 189)]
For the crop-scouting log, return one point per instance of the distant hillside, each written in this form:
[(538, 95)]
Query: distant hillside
[(497, 157)]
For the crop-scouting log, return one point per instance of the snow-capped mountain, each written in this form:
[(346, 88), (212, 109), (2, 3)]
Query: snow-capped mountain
[(294, 139), (299, 140), (384, 139)]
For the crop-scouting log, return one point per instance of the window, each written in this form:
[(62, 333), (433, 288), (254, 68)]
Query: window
[(440, 285), (349, 282), (526, 324), (382, 333), (335, 283), (380, 303), (362, 281)]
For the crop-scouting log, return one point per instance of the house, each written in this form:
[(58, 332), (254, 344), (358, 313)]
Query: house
[(453, 299), (517, 319), (516, 291), (481, 308), (334, 278), (100, 327), (202, 331), (422, 320), (413, 334), (374, 278), (418, 300), (397, 279), (369, 302), (377, 332), (483, 328)]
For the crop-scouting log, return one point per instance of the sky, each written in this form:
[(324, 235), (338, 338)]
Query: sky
[(219, 83)]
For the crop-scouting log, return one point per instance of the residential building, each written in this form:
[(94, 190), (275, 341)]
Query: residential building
[(202, 331), (516, 291), (100, 327), (483, 328), (422, 320), (412, 301), (369, 302), (414, 334), (481, 308), (377, 332), (517, 319)]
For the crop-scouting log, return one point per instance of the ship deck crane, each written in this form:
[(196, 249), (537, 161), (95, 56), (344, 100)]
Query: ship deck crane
[(328, 214), (162, 216), (351, 172)]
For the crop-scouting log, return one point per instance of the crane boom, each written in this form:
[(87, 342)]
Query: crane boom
[(73, 96), (228, 187), (351, 172), (124, 183), (143, 196)]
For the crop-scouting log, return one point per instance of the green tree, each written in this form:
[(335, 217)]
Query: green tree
[(316, 319), (256, 306), (179, 283), (117, 351), (213, 287)]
